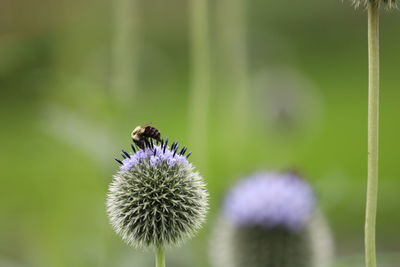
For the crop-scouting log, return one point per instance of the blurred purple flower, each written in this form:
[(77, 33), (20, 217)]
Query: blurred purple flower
[(270, 200)]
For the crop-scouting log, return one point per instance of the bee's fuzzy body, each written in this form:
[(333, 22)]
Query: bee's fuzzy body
[(141, 135)]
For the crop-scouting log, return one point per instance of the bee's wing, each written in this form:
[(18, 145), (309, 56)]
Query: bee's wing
[(147, 124)]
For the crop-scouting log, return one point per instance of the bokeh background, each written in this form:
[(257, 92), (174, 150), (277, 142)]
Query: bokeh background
[(273, 86)]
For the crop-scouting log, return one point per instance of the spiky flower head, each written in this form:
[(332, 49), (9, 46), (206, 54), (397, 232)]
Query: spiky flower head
[(156, 198), (271, 219), (388, 4)]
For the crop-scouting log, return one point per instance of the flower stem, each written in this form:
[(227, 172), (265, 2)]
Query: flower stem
[(232, 32), (160, 257), (200, 78), (373, 132), (124, 48)]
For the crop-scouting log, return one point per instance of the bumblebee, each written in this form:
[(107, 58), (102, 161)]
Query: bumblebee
[(142, 135)]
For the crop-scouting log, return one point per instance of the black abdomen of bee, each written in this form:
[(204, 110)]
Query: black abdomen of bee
[(151, 132)]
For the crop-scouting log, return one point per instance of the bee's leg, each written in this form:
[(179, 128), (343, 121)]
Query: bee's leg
[(139, 143), (146, 143), (157, 136), (158, 140)]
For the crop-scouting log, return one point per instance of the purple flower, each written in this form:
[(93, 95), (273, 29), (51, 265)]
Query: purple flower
[(154, 155), (140, 155), (270, 200), (171, 161), (129, 163), (154, 161)]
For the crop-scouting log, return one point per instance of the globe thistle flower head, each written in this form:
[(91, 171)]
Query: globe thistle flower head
[(388, 4), (271, 219), (156, 198), (270, 200)]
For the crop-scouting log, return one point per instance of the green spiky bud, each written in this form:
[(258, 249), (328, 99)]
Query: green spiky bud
[(156, 198)]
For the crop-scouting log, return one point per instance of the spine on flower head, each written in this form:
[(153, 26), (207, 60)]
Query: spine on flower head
[(271, 219)]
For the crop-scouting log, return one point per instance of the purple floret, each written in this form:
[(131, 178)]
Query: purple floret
[(154, 156), (154, 160), (129, 163), (270, 200)]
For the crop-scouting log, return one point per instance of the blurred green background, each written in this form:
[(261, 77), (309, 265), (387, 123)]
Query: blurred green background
[(287, 90)]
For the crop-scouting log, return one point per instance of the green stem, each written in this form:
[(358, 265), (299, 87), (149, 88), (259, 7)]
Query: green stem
[(232, 33), (160, 257), (200, 79), (126, 20), (373, 132)]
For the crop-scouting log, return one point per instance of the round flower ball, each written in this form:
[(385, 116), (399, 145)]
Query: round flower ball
[(271, 219), (156, 198)]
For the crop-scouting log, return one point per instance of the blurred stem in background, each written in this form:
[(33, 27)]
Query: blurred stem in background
[(124, 49), (373, 131), (199, 92), (232, 30), (200, 79)]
